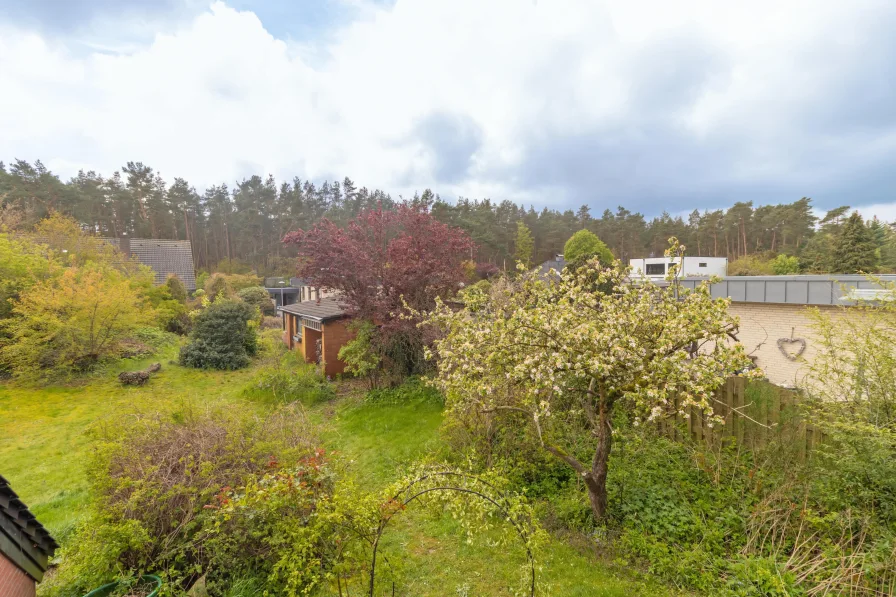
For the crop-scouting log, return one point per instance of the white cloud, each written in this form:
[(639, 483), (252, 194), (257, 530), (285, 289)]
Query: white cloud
[(686, 97)]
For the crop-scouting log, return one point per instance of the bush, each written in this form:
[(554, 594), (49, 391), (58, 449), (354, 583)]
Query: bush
[(216, 286), (360, 355), (222, 337), (259, 298), (154, 337), (176, 288), (751, 265), (291, 382), (276, 529), (238, 282), (784, 265), (71, 323), (412, 391), (151, 479), (171, 314)]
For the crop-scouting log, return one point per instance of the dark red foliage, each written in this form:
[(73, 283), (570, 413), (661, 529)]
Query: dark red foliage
[(382, 256), (486, 271)]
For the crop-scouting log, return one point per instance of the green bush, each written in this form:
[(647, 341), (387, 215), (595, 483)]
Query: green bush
[(216, 286), (154, 337), (291, 382), (222, 337), (751, 265), (360, 355), (276, 529), (784, 265), (258, 297), (412, 391), (151, 478), (176, 288)]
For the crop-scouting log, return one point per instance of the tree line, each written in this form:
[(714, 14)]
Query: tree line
[(244, 223)]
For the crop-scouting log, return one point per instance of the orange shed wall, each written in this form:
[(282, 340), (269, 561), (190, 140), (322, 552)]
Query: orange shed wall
[(336, 334), (13, 581)]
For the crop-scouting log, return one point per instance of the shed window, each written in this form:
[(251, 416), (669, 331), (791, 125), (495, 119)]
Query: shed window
[(656, 269), (702, 264)]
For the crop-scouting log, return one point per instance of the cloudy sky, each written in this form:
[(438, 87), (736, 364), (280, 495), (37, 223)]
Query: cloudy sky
[(651, 104)]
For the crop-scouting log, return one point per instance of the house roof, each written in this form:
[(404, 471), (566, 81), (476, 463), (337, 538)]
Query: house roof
[(545, 268), (163, 256), (323, 310), (23, 540)]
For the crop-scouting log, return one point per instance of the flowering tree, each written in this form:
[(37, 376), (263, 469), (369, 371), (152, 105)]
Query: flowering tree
[(382, 260), (562, 351)]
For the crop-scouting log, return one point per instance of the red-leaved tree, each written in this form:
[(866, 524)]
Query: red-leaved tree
[(380, 259)]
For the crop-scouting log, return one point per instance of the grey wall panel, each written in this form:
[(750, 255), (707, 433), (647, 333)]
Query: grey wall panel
[(755, 292), (797, 292), (820, 293), (737, 290), (720, 290), (775, 292)]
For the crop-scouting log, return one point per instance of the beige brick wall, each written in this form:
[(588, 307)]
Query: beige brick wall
[(762, 324), (13, 581)]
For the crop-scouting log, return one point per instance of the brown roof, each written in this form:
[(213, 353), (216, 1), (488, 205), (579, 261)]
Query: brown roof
[(23, 540), (322, 310)]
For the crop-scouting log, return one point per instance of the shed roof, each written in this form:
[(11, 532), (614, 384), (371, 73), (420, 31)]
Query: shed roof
[(23, 540), (323, 310)]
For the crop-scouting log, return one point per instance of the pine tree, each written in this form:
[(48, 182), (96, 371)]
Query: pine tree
[(854, 249), (525, 245)]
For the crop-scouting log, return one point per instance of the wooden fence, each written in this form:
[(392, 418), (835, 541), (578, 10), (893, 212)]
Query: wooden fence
[(753, 415)]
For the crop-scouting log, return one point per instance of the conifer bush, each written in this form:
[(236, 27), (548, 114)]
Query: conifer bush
[(222, 338)]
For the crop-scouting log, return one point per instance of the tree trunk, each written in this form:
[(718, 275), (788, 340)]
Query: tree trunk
[(596, 479)]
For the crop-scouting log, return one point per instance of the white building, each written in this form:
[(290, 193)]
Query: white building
[(656, 268)]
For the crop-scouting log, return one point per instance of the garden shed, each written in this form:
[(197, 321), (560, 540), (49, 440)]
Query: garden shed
[(318, 329)]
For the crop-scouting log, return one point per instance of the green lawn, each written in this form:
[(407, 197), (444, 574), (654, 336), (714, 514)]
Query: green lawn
[(379, 440), (44, 442), (44, 438)]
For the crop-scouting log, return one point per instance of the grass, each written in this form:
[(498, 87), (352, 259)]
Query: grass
[(44, 432), (378, 440), (45, 441)]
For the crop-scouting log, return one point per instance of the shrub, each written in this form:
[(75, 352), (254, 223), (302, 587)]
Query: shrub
[(176, 288), (171, 314), (222, 337), (412, 391), (22, 264), (216, 286), (238, 282), (360, 355), (783, 265), (291, 382), (258, 297), (71, 323), (151, 479), (154, 337), (277, 528), (751, 265), (201, 278)]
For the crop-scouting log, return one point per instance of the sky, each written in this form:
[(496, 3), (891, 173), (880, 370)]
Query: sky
[(650, 104)]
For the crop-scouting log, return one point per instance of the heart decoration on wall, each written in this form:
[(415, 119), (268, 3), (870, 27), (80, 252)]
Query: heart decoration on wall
[(786, 346)]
